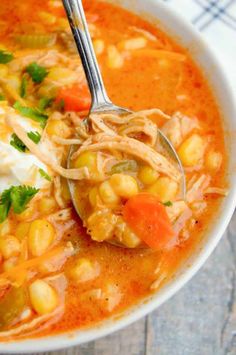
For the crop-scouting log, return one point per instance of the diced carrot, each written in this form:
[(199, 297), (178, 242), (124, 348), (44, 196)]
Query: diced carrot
[(75, 98), (148, 219)]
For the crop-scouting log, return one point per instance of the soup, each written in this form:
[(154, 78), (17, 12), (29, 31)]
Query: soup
[(56, 273)]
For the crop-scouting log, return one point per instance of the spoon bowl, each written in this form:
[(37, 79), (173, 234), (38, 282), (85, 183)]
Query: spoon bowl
[(100, 102)]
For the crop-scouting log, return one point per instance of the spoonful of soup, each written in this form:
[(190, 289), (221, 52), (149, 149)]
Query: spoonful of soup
[(131, 172)]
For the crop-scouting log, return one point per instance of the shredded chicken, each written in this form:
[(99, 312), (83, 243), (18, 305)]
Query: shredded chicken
[(177, 208), (62, 215), (179, 127), (99, 125), (123, 119), (133, 147), (181, 221), (217, 191), (157, 283), (196, 187), (137, 126), (58, 191), (64, 141)]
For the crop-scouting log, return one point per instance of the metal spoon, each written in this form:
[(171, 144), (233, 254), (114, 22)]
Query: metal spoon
[(100, 101)]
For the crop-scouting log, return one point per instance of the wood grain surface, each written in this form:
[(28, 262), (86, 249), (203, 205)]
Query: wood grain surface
[(199, 320)]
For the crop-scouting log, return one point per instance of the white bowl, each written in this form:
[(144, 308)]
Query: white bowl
[(155, 12)]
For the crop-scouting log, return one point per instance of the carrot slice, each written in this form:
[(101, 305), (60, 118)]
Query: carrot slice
[(75, 98), (148, 219)]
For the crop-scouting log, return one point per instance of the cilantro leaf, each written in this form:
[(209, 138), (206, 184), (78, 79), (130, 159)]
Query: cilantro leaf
[(45, 175), (23, 87), (17, 143), (5, 205), (44, 103), (33, 113), (2, 97), (168, 203), (4, 210), (34, 136), (37, 72), (5, 57), (16, 197), (21, 196)]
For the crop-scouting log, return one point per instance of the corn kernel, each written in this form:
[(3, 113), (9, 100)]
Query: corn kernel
[(9, 264), (47, 90), (47, 18), (3, 48), (9, 246), (63, 76), (22, 230), (147, 175), (164, 188), (28, 214), (99, 46), (114, 59), (124, 185), (3, 70), (58, 128), (112, 296), (213, 161), (87, 159), (63, 23), (57, 4), (93, 196), (164, 64), (5, 228), (134, 43), (41, 236), (65, 192), (191, 150), (84, 270), (43, 297), (101, 225), (130, 239), (108, 194), (47, 205)]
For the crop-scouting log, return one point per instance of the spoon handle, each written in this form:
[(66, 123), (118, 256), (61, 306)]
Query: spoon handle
[(79, 27)]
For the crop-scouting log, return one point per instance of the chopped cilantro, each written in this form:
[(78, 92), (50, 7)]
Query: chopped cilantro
[(168, 203), (44, 103), (23, 86), (16, 197), (34, 136), (37, 72), (17, 143), (33, 113), (5, 57), (45, 175), (2, 97)]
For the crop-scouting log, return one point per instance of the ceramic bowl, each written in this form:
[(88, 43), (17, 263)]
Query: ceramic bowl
[(172, 23)]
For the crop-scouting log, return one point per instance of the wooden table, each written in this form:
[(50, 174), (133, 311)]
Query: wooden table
[(199, 320)]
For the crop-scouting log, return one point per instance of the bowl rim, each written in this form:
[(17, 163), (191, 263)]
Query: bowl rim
[(80, 336)]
